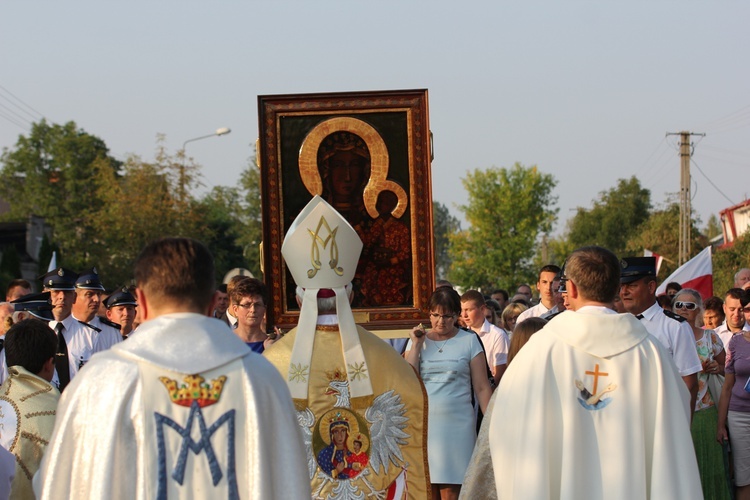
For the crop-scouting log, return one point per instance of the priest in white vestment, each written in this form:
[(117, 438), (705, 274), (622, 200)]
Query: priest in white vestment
[(183, 409), (593, 406)]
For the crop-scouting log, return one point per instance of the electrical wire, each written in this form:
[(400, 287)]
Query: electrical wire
[(13, 121), (731, 117), (13, 113), (711, 182), (18, 99)]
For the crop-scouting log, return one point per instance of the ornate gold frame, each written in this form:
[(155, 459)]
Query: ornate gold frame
[(395, 127)]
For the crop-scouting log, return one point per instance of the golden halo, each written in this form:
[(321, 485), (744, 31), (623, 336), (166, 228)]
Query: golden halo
[(378, 181), (358, 437)]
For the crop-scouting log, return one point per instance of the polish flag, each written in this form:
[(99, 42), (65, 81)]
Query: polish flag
[(659, 258), (397, 490), (697, 273)]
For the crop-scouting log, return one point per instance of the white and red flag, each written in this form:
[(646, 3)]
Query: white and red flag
[(659, 258), (697, 273)]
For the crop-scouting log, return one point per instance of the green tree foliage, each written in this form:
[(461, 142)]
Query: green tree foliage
[(250, 217), (443, 226), (142, 207), (727, 261), (713, 227), (49, 174), (613, 218), (102, 211), (222, 229), (507, 211), (661, 234), (558, 249)]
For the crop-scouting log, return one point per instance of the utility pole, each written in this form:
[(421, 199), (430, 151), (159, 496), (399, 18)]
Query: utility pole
[(686, 151)]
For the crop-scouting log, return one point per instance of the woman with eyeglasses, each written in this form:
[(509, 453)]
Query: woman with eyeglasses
[(509, 317), (688, 304), (451, 363)]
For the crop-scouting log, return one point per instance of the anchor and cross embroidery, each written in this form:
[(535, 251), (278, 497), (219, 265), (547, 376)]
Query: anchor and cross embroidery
[(594, 399), (196, 395)]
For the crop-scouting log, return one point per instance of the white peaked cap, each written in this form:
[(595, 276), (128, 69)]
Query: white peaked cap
[(321, 250)]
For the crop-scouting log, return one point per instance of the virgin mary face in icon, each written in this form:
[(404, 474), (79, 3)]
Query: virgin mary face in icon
[(344, 163), (339, 436)]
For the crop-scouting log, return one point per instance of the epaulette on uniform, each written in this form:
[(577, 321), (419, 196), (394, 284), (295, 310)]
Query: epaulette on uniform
[(107, 322), (97, 330), (548, 318), (672, 315)]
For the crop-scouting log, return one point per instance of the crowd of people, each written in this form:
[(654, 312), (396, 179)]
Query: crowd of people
[(177, 388)]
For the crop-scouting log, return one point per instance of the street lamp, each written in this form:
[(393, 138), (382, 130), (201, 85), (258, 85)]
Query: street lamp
[(219, 132)]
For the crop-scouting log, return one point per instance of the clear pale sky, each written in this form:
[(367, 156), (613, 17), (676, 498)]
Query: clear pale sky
[(584, 90)]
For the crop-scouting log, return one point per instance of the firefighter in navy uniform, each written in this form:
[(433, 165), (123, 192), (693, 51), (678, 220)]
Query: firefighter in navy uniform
[(638, 294), (89, 290)]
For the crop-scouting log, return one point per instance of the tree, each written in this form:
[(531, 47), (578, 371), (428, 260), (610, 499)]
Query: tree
[(49, 174), (614, 217), (251, 218), (507, 211), (713, 227), (443, 226), (661, 234), (727, 261), (222, 228), (142, 207)]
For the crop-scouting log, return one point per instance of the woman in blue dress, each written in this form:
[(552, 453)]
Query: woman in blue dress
[(452, 364)]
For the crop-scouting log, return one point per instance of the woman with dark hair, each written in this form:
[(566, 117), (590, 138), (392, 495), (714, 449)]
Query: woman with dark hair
[(452, 363), (713, 313)]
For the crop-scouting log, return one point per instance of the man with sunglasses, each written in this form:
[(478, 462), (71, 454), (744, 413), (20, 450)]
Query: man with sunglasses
[(638, 294), (735, 301)]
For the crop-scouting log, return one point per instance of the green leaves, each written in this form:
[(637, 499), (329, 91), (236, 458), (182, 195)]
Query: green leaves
[(613, 219), (103, 211), (507, 211)]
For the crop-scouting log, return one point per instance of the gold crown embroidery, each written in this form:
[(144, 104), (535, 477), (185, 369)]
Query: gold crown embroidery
[(194, 390)]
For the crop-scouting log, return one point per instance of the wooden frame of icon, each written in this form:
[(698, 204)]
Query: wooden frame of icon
[(368, 154)]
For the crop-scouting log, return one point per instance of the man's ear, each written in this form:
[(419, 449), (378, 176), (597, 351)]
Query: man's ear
[(572, 290), (652, 287), (212, 304), (48, 369), (142, 303)]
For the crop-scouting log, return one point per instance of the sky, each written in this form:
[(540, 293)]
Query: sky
[(586, 91)]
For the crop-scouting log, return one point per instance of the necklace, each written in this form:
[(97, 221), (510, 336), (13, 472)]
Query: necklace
[(440, 348)]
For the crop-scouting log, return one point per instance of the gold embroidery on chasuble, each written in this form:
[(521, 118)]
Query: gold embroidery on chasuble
[(360, 447)]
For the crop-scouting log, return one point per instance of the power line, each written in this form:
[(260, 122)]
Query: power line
[(730, 117), (741, 163), (8, 110), (729, 152), (40, 115), (13, 121), (648, 161), (711, 182), (16, 106)]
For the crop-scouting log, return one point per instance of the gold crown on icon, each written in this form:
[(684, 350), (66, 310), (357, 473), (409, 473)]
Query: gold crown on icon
[(338, 419), (194, 389)]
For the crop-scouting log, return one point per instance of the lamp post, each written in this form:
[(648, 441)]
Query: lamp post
[(219, 132)]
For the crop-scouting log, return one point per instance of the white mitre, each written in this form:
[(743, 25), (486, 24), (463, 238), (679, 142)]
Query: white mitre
[(322, 250)]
